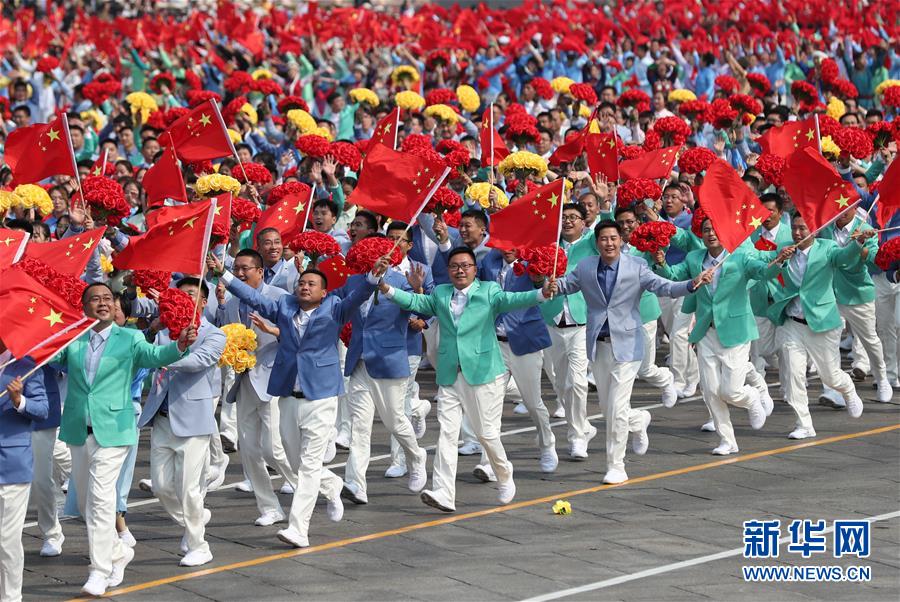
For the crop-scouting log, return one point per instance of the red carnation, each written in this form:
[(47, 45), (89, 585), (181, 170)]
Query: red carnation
[(650, 237), (346, 333), (239, 82), (256, 173), (584, 92), (829, 71), (443, 200), (176, 311), (155, 279), (415, 140), (721, 115), (455, 154), (638, 189), (828, 126), (347, 155), (452, 218), (697, 218), (521, 129), (772, 168), (244, 212), (161, 80), (631, 151), (540, 260), (881, 134), (695, 110), (219, 234), (804, 92), (759, 83), (888, 254), (106, 198), (313, 146), (202, 167), (267, 87), (727, 84), (230, 110), (68, 286), (854, 142), (634, 97), (198, 97), (674, 131), (652, 140), (695, 160), (314, 244), (47, 64), (844, 89), (745, 104), (891, 97), (362, 256), (291, 102), (101, 88), (192, 81), (437, 58), (283, 190), (440, 96), (542, 87)]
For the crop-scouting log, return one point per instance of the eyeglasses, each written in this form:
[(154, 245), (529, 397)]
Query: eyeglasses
[(244, 268), (100, 299), (460, 267), (571, 218)]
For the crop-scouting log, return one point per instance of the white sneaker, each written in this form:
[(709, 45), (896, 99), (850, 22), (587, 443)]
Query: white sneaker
[(485, 473), (560, 411), (765, 398), (196, 558), (708, 427), (615, 476), (330, 449), (95, 585), (417, 419), (756, 412), (549, 459), (688, 391), (292, 536), (725, 449), (217, 478), (578, 448), (269, 518), (286, 489), (395, 471), (670, 395), (117, 576), (507, 489), (127, 538), (640, 440), (832, 399), (342, 440), (520, 409), (418, 474), (335, 509), (51, 549), (246, 486), (437, 500), (802, 433), (350, 492), (894, 383), (885, 391), (145, 485), (854, 405), (470, 448)]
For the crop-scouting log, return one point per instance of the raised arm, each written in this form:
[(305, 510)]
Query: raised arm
[(202, 356), (249, 295)]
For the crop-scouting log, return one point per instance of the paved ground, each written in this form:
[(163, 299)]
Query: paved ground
[(673, 532)]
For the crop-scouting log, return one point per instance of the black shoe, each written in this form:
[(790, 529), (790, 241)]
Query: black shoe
[(857, 375), (227, 445)]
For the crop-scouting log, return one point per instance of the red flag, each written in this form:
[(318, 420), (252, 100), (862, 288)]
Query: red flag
[(529, 221), (493, 149), (35, 317), (167, 212), (819, 193), (652, 165), (289, 215), (199, 135), (164, 181), (67, 255), (888, 194), (176, 243), (396, 184), (387, 129), (335, 270), (790, 137), (732, 207), (12, 246), (602, 155), (100, 166), (40, 151), (569, 150)]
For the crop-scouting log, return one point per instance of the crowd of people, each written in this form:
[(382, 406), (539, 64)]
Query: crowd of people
[(286, 368)]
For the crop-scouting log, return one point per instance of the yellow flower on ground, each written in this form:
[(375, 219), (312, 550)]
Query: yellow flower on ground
[(35, 196), (216, 183), (561, 85), (143, 103), (261, 74), (830, 149), (524, 160), (409, 100), (301, 120), (443, 113), (681, 95), (480, 193), (364, 95), (836, 108), (888, 83), (562, 507), (404, 72), (468, 98)]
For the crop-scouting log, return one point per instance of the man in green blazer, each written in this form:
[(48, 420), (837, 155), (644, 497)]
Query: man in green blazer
[(470, 369), (855, 294), (98, 423), (723, 330), (809, 325)]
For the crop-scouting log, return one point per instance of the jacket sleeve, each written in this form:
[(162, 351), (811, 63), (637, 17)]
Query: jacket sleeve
[(148, 355), (758, 269), (673, 272), (660, 286), (569, 283), (37, 406), (353, 300), (252, 297), (846, 257), (420, 304), (205, 356), (505, 301)]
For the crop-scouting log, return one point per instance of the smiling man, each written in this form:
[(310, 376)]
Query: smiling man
[(276, 270)]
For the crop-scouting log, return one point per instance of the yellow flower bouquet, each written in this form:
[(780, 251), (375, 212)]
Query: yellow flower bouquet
[(561, 85), (364, 95), (404, 74), (480, 191), (523, 163), (240, 342), (215, 184), (301, 120), (468, 98), (143, 103), (409, 100), (681, 95), (443, 113), (34, 196)]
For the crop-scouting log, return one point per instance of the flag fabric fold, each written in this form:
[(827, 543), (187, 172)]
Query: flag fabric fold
[(888, 194), (493, 149), (818, 191), (531, 220), (791, 137), (164, 180), (12, 246), (732, 207), (602, 155), (653, 165), (68, 255), (289, 215), (387, 130), (199, 135), (40, 151)]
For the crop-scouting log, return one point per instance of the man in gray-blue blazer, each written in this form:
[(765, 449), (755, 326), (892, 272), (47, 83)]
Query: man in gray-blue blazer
[(612, 285), (179, 407)]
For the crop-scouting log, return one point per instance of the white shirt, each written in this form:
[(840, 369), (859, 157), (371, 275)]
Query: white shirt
[(710, 262), (797, 269), (501, 279), (301, 321), (6, 356), (458, 302), (770, 235), (96, 345), (842, 235)]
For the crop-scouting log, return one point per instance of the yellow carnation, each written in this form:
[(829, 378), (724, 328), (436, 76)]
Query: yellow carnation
[(888, 83), (836, 108), (468, 98), (562, 507), (364, 95), (830, 149), (480, 192), (34, 196), (105, 264), (443, 113), (235, 136), (143, 103), (523, 161), (261, 74), (584, 110), (404, 73), (213, 184), (239, 342), (409, 100), (322, 132), (681, 95), (301, 120), (9, 199), (561, 84), (248, 110), (95, 118)]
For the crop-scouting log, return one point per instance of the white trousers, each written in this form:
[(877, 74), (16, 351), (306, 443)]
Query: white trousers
[(343, 421), (525, 370), (682, 359), (178, 471), (868, 352), (887, 322), (217, 455), (316, 420), (260, 444), (13, 506), (483, 404), (723, 372), (797, 342), (763, 350), (410, 402), (569, 357), (95, 470), (366, 396), (45, 491), (615, 381), (228, 411), (649, 372)]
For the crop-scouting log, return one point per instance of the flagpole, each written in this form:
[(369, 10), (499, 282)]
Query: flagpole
[(74, 162), (210, 218), (233, 150), (396, 128), (491, 156), (822, 227), (105, 155), (562, 201), (309, 204), (818, 133)]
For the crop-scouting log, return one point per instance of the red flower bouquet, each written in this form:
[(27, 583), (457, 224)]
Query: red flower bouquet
[(745, 104), (314, 245), (674, 131), (828, 126), (47, 64), (888, 254), (363, 255), (155, 279), (415, 141), (161, 80), (881, 134), (721, 115), (772, 168), (652, 140), (452, 218), (198, 97), (202, 167), (440, 96), (804, 91), (583, 92), (455, 154), (828, 70), (283, 190), (521, 129), (219, 234), (540, 261), (291, 102), (106, 198), (697, 219), (347, 155), (759, 83), (844, 89), (244, 212), (266, 87), (542, 87), (313, 146), (695, 110), (239, 82), (101, 88), (637, 189), (854, 142), (631, 151), (443, 200), (256, 173), (695, 160), (346, 333), (650, 237), (727, 84), (176, 311), (891, 97), (69, 287), (633, 98), (437, 58)]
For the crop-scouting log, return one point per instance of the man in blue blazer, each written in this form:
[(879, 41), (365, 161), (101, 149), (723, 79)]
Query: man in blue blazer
[(277, 271), (523, 336), (44, 489), (180, 409), (612, 284), (24, 402), (307, 370)]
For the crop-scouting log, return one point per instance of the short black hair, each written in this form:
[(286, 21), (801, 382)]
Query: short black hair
[(795, 215), (266, 231), (257, 258), (193, 281), (22, 107), (331, 205), (462, 251), (20, 224), (607, 223), (124, 303), (624, 209), (773, 197), (398, 225), (318, 273), (576, 207), (369, 217), (478, 215), (84, 293)]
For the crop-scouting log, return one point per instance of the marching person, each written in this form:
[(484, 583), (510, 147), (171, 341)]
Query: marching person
[(180, 409), (470, 370), (98, 423), (45, 492)]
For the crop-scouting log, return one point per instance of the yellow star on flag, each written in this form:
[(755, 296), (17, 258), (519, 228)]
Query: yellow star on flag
[(755, 222), (52, 134), (218, 210), (8, 240), (189, 223), (810, 134), (553, 199), (54, 317), (204, 119), (842, 201), (88, 244), (298, 208)]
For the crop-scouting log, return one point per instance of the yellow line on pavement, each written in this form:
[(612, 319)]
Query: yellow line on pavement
[(495, 510)]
